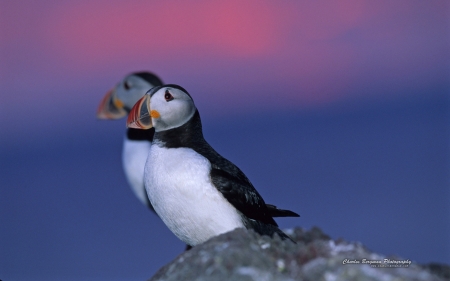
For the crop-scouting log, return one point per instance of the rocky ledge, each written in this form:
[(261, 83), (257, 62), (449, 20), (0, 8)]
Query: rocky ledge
[(245, 255)]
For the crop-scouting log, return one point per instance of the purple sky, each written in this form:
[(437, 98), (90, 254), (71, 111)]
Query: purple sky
[(309, 53), (337, 110)]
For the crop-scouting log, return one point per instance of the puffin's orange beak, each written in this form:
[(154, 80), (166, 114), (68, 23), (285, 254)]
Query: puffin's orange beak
[(110, 107), (139, 116)]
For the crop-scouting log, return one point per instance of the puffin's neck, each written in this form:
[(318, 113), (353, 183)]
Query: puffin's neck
[(140, 135), (187, 135)]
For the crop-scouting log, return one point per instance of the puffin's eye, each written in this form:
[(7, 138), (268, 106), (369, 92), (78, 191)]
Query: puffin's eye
[(126, 85), (168, 96)]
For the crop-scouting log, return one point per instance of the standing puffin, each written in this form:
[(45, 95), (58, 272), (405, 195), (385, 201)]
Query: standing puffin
[(194, 190), (116, 104)]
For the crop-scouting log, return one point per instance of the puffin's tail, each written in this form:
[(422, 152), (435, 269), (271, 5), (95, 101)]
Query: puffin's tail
[(276, 213), (269, 230)]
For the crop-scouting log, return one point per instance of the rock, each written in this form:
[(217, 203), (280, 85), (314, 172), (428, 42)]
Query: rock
[(244, 255), (441, 270)]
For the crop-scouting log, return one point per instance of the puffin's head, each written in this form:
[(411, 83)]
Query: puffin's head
[(164, 107), (119, 100)]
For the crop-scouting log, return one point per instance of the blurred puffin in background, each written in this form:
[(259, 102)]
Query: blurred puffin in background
[(116, 104)]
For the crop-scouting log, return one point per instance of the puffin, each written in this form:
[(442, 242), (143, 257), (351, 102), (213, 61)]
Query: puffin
[(195, 191), (116, 104)]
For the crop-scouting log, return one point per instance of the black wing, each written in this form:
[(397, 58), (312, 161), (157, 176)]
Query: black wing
[(236, 187), (238, 190)]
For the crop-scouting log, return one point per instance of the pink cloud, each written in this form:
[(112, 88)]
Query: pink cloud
[(97, 31)]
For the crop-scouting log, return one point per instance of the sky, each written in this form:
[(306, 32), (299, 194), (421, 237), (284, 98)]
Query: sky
[(336, 110)]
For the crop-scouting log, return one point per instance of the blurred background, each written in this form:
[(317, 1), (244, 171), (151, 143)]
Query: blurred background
[(338, 110)]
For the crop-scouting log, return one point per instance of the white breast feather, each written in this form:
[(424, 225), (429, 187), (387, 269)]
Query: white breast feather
[(134, 157), (180, 190)]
